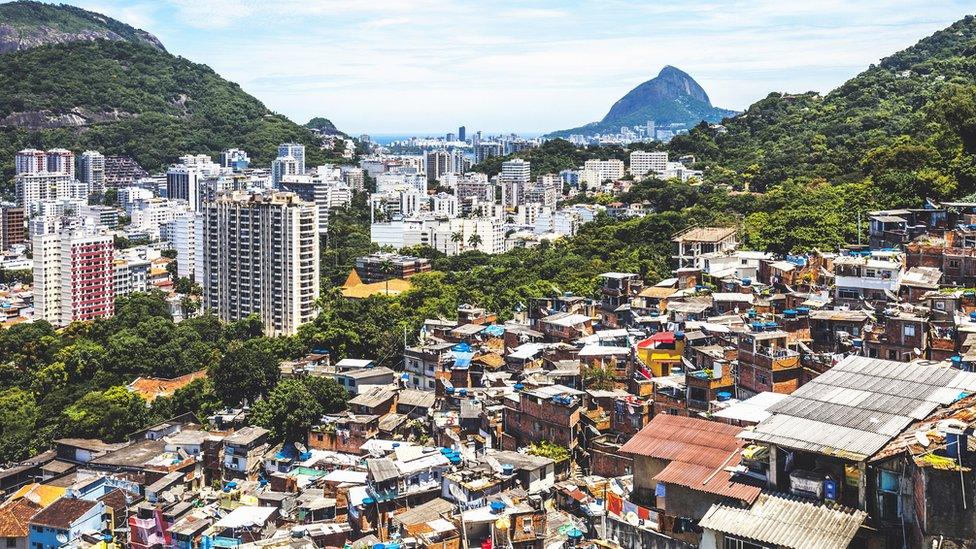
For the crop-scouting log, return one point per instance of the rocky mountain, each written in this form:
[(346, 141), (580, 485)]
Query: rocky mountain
[(672, 97), (123, 94), (27, 24)]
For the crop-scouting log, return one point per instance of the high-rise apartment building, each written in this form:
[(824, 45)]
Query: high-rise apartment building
[(513, 179), (30, 161), (91, 170), (235, 159), (612, 169), (645, 162), (33, 188), (437, 164), (187, 240), (261, 255), (461, 133), (296, 151), (188, 179), (61, 161), (74, 275), (12, 230)]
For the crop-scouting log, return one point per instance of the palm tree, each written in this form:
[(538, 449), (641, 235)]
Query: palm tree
[(474, 240), (457, 237), (386, 267)]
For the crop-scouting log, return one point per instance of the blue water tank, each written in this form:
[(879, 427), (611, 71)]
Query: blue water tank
[(722, 396), (752, 313), (368, 500), (747, 282), (789, 313), (463, 392), (507, 469), (972, 316), (497, 507), (450, 390)]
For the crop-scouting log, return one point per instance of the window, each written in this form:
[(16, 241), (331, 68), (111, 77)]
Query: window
[(527, 525), (733, 543), (11, 542), (892, 354), (954, 263), (889, 496), (909, 330), (762, 379)]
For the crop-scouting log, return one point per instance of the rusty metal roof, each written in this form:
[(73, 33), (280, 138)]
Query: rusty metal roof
[(713, 480), (687, 439)]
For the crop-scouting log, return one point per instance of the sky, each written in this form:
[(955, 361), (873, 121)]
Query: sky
[(428, 66)]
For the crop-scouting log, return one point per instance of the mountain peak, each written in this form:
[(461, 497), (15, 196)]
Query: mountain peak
[(26, 24), (671, 97)]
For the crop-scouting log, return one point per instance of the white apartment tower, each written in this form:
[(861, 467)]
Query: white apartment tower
[(611, 170), (261, 255), (74, 275), (514, 178), (91, 170), (645, 162), (187, 236)]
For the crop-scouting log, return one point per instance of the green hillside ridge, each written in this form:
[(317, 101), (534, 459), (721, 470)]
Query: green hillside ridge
[(913, 109), (132, 99), (672, 97), (27, 24)]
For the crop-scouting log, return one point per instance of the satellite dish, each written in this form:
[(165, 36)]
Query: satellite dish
[(300, 447), (632, 518), (917, 351), (62, 539)]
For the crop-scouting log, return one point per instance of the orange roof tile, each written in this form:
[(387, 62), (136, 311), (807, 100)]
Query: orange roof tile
[(41, 494), (15, 516)]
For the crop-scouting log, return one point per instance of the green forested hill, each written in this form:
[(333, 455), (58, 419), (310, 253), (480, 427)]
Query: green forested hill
[(126, 98), (905, 112)]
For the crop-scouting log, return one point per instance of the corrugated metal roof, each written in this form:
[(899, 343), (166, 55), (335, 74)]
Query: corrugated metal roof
[(382, 469), (858, 406), (687, 439), (787, 522), (709, 479)]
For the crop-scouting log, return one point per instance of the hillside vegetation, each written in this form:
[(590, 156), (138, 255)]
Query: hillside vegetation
[(126, 98), (906, 122)]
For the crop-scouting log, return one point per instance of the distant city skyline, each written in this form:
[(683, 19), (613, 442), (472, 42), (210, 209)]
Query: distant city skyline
[(425, 66)]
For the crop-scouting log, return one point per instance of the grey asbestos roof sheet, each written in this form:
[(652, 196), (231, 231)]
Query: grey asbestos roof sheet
[(855, 408), (787, 522)]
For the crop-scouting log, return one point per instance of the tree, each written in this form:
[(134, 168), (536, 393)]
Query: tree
[(19, 414), (108, 415), (599, 378), (474, 240), (331, 396), (246, 328), (457, 237), (288, 412), (387, 268), (247, 371)]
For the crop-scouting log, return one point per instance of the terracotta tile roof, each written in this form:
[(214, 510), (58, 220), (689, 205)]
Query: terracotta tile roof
[(151, 388), (63, 512), (15, 516)]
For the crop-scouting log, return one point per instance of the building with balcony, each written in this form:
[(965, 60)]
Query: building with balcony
[(244, 452), (872, 278), (767, 363), (74, 275), (261, 256), (694, 243)]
